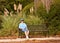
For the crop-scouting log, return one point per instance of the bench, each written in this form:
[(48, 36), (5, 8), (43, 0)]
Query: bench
[(37, 30)]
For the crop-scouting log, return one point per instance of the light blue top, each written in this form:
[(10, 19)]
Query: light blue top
[(23, 26)]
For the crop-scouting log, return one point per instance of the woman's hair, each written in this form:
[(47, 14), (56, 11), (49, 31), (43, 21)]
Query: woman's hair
[(22, 19)]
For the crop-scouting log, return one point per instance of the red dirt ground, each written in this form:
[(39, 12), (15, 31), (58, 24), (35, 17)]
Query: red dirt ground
[(33, 41), (37, 41), (31, 36)]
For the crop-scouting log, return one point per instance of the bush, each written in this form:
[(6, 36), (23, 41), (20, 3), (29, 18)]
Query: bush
[(51, 19), (10, 26), (1, 21), (34, 20)]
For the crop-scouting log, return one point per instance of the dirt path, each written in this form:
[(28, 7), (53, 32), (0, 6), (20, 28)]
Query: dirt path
[(30, 39)]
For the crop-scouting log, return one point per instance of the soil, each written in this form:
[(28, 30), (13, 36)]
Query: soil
[(37, 41), (30, 36), (31, 41)]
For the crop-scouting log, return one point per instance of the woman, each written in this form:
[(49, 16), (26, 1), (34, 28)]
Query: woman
[(24, 28)]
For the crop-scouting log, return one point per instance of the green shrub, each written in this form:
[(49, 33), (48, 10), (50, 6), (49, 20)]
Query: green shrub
[(1, 18), (10, 26), (34, 20), (51, 19)]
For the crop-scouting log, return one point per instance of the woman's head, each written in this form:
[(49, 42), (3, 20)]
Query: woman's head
[(22, 20)]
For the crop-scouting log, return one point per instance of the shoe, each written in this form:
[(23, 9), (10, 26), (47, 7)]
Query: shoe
[(27, 37)]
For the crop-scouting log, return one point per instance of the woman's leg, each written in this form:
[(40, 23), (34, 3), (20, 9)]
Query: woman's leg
[(26, 34)]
